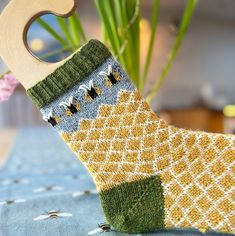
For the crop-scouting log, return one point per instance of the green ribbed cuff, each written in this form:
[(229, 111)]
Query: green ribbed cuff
[(86, 60)]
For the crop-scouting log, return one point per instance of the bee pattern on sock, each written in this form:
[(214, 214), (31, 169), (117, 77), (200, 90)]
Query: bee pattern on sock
[(149, 175)]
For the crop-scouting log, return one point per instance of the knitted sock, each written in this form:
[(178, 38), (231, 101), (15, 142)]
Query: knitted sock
[(149, 175)]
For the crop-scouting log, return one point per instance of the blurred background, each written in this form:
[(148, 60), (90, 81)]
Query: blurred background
[(198, 91)]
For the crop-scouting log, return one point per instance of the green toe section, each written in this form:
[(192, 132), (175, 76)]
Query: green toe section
[(135, 207)]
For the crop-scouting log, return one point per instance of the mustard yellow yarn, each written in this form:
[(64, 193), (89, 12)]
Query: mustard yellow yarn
[(127, 142)]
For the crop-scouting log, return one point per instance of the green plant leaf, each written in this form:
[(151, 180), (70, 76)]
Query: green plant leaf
[(56, 52), (188, 12), (65, 29), (48, 28), (77, 28), (106, 25), (120, 20), (151, 43), (133, 31), (74, 31), (107, 15)]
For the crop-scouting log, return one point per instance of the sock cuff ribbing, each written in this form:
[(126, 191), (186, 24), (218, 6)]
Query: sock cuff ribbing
[(82, 63)]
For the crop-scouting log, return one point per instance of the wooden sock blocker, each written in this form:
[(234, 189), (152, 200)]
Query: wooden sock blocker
[(15, 22)]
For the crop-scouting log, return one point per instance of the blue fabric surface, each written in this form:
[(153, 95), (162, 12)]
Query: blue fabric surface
[(42, 175)]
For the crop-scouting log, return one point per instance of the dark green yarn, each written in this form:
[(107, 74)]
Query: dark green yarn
[(135, 207), (89, 57)]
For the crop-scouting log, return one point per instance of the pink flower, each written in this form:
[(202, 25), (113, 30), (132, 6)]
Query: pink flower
[(7, 86)]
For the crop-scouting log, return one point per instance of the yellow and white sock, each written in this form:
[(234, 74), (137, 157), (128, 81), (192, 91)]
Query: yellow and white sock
[(149, 175)]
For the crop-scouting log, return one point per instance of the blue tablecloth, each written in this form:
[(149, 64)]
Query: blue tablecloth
[(45, 190)]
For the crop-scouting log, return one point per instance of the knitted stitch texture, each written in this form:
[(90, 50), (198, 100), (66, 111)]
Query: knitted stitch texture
[(81, 64), (149, 175)]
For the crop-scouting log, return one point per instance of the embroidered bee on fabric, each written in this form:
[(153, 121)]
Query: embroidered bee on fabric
[(90, 91), (48, 189), (14, 181), (75, 177), (10, 202), (86, 192), (71, 106), (102, 228), (52, 120), (52, 215), (111, 76)]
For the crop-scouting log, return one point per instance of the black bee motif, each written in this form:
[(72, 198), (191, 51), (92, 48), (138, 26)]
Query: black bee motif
[(10, 202), (111, 76), (105, 227), (71, 107), (90, 91), (52, 215), (102, 228), (50, 119)]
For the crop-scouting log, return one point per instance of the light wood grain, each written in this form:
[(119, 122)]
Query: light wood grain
[(7, 138), (14, 23)]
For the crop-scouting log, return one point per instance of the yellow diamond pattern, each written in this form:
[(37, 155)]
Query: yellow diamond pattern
[(128, 142)]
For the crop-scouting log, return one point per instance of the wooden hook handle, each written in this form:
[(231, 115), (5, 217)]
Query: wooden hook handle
[(14, 23)]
